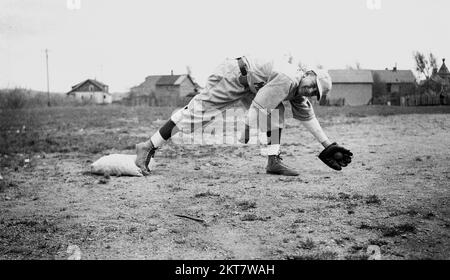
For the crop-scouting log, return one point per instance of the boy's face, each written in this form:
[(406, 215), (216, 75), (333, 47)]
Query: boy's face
[(308, 85)]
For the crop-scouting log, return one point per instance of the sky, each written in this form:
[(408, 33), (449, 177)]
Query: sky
[(120, 42)]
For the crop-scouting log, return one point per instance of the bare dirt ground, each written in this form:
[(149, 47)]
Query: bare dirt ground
[(394, 195)]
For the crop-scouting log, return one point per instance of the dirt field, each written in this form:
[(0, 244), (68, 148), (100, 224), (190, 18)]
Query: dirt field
[(394, 195)]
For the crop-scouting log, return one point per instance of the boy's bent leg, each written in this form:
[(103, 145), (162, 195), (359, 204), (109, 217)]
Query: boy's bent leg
[(146, 150), (274, 163), (199, 112), (144, 153), (222, 89)]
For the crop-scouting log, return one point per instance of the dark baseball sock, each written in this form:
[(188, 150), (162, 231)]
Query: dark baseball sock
[(273, 138), (166, 129)]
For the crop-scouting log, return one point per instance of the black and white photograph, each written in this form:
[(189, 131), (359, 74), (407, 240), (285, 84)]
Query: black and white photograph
[(239, 130)]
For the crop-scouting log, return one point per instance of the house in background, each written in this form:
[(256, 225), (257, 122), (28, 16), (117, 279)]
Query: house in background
[(390, 85), (163, 90), (443, 71), (442, 75), (350, 87), (91, 91), (434, 91)]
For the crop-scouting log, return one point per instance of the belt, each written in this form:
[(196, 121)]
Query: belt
[(243, 69)]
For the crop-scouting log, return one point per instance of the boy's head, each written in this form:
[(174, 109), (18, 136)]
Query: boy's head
[(315, 83)]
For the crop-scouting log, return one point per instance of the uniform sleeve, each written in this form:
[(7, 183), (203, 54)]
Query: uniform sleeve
[(302, 109)]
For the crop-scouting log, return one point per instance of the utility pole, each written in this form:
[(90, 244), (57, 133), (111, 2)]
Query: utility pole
[(48, 80)]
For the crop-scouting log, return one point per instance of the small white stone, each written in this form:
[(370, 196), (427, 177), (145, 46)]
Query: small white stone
[(74, 251)]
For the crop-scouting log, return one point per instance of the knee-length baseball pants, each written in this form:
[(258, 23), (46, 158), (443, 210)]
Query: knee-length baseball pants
[(222, 90)]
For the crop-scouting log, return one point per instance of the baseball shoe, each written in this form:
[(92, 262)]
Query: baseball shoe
[(144, 152), (275, 166)]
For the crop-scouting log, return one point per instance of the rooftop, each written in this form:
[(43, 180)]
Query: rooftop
[(443, 70), (394, 76), (100, 85), (351, 76)]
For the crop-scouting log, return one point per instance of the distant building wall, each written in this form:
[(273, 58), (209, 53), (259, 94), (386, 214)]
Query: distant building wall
[(354, 94), (187, 90), (186, 87), (392, 93), (96, 97), (167, 95), (91, 87), (162, 90)]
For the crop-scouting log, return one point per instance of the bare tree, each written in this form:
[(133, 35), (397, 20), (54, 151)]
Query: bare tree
[(290, 59), (425, 65), (356, 67)]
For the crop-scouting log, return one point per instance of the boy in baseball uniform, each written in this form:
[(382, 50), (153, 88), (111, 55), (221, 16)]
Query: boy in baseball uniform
[(261, 85)]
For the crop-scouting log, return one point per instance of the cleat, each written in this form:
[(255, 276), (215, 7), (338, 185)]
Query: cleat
[(144, 152), (275, 166)]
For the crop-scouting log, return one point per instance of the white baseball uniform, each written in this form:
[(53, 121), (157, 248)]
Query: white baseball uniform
[(270, 83)]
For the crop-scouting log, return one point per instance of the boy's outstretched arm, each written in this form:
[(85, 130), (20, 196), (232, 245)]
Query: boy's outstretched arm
[(333, 155)]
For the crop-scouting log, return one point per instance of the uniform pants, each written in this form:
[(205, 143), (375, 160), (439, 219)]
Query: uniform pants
[(222, 90)]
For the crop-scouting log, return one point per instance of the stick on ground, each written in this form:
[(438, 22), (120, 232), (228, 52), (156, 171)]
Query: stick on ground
[(191, 218)]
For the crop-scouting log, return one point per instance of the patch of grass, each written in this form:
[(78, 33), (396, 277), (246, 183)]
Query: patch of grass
[(373, 199), (33, 237), (327, 196), (355, 115), (324, 255), (254, 217), (205, 194), (399, 230), (412, 212), (343, 196), (307, 244), (391, 231), (429, 215), (6, 184), (378, 242), (298, 210), (356, 248), (357, 196), (249, 217), (173, 188), (246, 205), (89, 129)]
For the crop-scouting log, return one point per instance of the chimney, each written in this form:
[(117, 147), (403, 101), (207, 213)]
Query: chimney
[(395, 67), (171, 72)]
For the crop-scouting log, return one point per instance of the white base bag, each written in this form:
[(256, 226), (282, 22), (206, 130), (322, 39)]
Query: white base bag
[(118, 165)]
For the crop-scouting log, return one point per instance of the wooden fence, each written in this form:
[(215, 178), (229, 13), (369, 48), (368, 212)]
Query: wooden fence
[(426, 99)]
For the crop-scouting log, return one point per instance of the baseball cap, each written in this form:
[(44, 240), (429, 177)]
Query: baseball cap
[(324, 83)]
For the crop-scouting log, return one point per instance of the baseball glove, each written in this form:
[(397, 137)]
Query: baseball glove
[(336, 156)]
